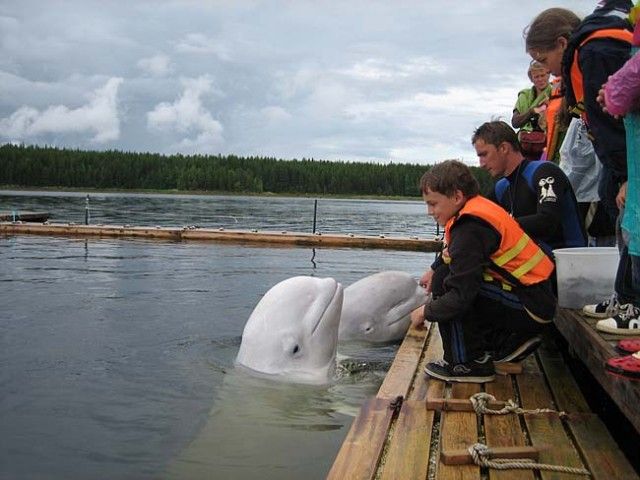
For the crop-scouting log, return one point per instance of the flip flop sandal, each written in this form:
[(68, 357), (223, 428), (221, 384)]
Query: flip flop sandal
[(628, 345), (627, 367)]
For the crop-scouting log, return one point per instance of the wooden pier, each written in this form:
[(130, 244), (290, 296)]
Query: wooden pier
[(223, 235), (421, 428)]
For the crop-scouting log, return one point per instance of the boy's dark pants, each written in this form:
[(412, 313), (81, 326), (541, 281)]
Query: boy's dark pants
[(493, 316)]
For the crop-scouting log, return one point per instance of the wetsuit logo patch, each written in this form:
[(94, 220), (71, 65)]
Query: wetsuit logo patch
[(546, 190)]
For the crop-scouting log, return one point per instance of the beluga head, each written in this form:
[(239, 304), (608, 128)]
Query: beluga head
[(292, 333), (377, 308)]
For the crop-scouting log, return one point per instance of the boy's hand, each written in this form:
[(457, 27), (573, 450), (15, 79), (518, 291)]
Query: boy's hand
[(417, 318), (426, 279)]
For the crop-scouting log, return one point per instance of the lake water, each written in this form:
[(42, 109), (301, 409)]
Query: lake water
[(117, 355)]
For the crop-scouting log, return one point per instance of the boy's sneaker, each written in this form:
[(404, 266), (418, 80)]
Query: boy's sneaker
[(517, 347), (606, 308), (627, 322), (628, 366), (479, 370)]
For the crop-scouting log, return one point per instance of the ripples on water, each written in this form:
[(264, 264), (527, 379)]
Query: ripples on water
[(117, 355)]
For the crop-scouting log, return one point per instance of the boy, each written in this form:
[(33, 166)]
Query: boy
[(491, 285)]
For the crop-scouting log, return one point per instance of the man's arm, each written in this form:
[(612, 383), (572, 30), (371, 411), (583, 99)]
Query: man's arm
[(607, 131), (550, 185)]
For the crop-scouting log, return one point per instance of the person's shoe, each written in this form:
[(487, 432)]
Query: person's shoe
[(517, 347), (626, 322), (628, 366), (606, 308), (479, 370), (628, 345)]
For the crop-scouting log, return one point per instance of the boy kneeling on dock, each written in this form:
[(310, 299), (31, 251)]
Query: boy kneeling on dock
[(491, 285)]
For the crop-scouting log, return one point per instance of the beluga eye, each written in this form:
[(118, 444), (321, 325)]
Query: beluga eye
[(296, 349)]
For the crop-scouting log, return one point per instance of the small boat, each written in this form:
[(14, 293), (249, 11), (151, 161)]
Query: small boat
[(18, 216)]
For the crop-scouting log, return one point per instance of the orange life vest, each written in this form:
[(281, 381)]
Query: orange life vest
[(551, 113), (576, 74), (518, 259)]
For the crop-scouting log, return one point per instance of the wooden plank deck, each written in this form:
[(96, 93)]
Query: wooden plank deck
[(222, 235), (389, 441), (594, 348)]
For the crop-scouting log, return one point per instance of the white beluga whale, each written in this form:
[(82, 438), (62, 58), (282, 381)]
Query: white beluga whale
[(292, 333), (377, 308)]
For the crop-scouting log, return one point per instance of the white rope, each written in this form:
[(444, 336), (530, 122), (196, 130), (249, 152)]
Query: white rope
[(480, 454), (481, 400)]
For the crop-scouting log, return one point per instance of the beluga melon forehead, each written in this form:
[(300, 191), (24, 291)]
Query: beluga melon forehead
[(377, 308), (292, 332)]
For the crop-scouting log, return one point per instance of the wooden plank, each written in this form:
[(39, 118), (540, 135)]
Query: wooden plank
[(546, 431), (594, 350), (504, 430), (409, 446), (422, 384), (459, 430), (594, 442), (401, 374), (360, 453)]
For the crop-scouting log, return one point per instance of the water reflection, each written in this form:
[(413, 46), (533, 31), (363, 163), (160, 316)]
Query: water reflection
[(118, 355)]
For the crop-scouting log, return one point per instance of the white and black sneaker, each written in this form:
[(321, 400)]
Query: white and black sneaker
[(479, 370), (626, 322), (606, 308)]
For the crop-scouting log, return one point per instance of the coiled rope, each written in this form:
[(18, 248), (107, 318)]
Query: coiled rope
[(481, 400), (480, 454)]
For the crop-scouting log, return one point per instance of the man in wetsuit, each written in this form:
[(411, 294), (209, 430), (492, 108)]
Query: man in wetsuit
[(536, 193)]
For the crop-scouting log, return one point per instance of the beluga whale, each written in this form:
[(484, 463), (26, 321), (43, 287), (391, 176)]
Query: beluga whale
[(377, 308), (292, 333)]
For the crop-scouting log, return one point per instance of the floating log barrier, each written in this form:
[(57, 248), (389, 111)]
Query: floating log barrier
[(223, 235)]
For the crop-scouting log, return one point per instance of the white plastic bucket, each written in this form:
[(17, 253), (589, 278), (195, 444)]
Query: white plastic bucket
[(585, 275)]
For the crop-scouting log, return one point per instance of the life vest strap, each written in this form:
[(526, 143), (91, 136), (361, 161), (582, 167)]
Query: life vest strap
[(513, 251)]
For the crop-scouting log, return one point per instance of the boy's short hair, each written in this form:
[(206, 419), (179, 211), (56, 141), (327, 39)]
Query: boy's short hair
[(495, 133), (449, 176)]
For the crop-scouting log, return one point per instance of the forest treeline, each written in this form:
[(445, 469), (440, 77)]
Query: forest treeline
[(34, 166)]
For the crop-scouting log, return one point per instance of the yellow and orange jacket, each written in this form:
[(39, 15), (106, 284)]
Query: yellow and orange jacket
[(518, 259)]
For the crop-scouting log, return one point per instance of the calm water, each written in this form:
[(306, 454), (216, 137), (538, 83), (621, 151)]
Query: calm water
[(117, 355)]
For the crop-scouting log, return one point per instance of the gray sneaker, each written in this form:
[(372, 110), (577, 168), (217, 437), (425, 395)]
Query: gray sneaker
[(479, 370)]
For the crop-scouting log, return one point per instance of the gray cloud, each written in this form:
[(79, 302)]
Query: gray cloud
[(356, 80)]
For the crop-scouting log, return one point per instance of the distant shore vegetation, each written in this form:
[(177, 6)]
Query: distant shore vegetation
[(50, 167)]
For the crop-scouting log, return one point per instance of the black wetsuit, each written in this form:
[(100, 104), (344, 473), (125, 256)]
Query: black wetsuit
[(539, 196)]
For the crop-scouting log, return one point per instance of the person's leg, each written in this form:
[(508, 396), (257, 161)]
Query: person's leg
[(512, 332), (459, 336), (622, 291), (608, 187), (463, 344)]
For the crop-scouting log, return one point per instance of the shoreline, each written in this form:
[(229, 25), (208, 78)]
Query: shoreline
[(205, 193)]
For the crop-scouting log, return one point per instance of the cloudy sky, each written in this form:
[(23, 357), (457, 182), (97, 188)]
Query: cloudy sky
[(402, 81)]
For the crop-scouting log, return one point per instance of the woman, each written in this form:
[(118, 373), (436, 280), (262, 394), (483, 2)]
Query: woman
[(528, 113), (584, 53)]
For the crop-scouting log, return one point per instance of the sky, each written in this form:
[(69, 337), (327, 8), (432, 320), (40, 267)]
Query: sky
[(376, 81)]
